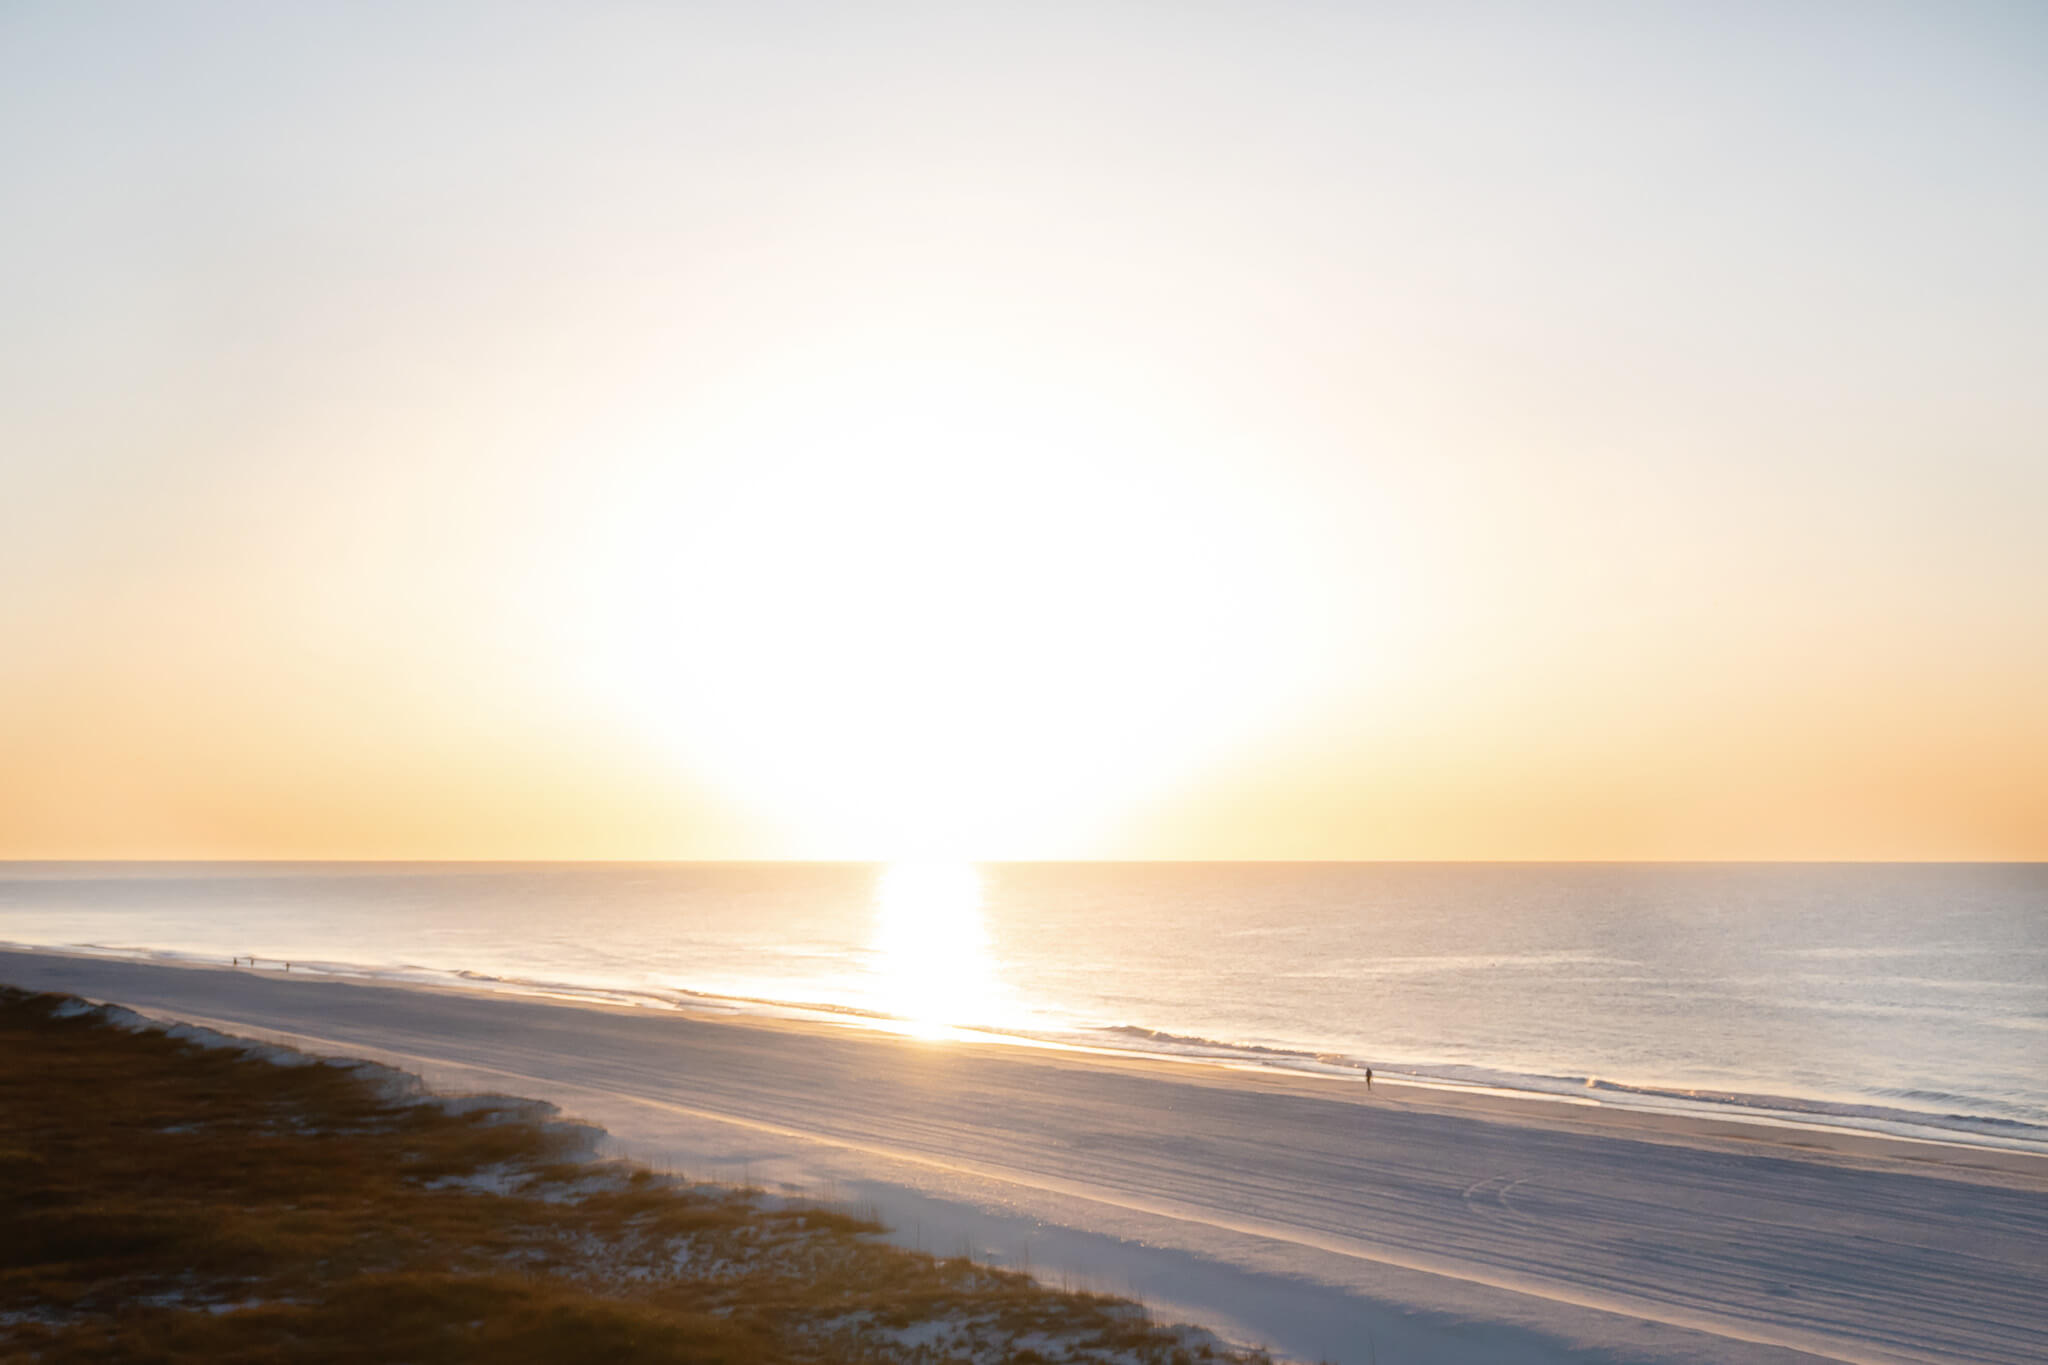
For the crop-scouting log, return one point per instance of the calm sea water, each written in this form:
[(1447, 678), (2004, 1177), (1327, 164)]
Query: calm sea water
[(1896, 996)]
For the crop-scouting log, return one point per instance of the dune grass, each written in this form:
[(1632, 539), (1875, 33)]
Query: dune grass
[(165, 1200)]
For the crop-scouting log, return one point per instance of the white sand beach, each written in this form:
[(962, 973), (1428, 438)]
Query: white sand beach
[(1404, 1224)]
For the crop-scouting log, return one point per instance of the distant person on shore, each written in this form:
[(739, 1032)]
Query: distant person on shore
[(1368, 1078)]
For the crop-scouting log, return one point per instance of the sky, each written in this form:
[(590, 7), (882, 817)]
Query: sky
[(1196, 430)]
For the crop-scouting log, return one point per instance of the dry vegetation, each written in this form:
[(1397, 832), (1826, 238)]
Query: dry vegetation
[(165, 1200)]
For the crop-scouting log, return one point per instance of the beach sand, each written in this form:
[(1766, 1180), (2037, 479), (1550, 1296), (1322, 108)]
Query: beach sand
[(1405, 1224)]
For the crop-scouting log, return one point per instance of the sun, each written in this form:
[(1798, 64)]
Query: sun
[(908, 606)]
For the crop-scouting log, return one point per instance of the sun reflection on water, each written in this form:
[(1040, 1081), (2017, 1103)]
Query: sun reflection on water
[(933, 964)]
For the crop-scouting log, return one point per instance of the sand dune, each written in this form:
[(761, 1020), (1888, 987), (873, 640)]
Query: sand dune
[(1406, 1224)]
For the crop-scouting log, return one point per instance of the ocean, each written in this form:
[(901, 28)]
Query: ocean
[(1908, 998)]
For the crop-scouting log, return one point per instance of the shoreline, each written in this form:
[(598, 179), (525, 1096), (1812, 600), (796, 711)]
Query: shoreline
[(1795, 1112), (1290, 1211)]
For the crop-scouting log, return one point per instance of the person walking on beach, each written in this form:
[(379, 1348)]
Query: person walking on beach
[(1368, 1078)]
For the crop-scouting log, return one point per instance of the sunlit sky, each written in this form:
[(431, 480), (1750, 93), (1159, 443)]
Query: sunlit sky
[(1259, 430)]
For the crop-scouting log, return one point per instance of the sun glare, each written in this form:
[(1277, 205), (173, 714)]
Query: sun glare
[(912, 607), (932, 960)]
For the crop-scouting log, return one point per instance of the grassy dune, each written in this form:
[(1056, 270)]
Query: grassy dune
[(165, 1199)]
